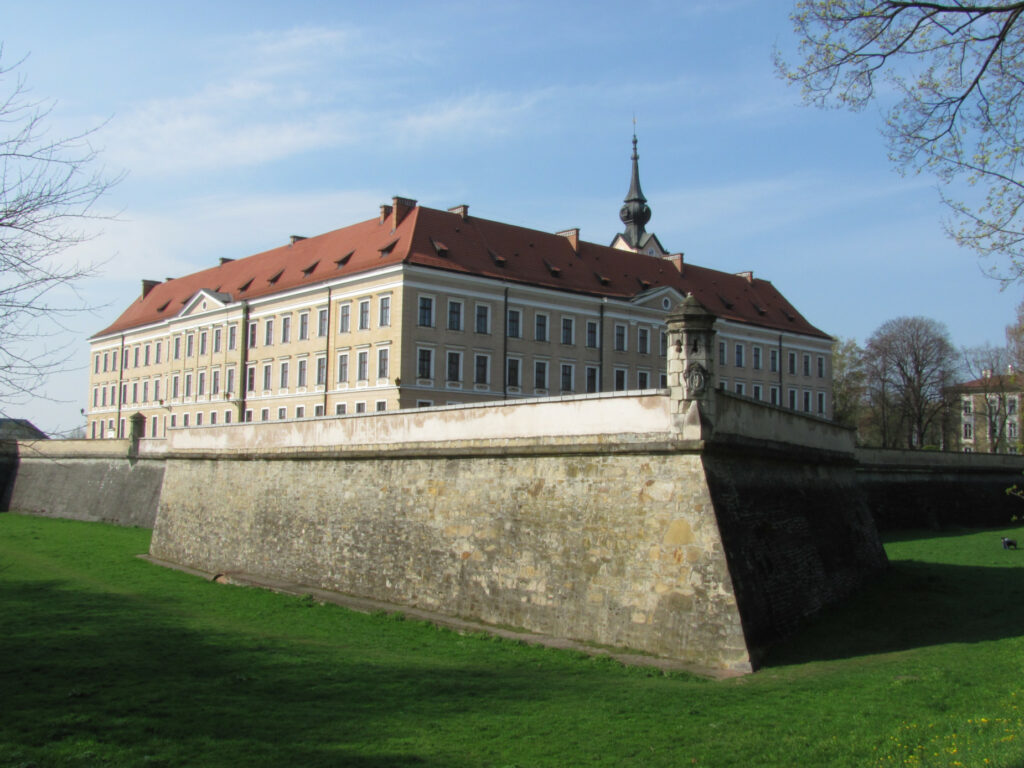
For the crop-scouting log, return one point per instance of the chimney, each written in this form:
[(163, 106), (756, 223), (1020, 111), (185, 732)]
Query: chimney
[(148, 285), (224, 260), (385, 211), (402, 206), (748, 276), (296, 238), (461, 210), (676, 260), (573, 235)]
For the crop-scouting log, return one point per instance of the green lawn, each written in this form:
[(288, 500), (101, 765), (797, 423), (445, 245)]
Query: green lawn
[(106, 659)]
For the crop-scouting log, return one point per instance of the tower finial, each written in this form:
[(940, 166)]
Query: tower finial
[(635, 213)]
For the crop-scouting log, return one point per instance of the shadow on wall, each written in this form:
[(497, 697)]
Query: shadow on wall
[(912, 605)]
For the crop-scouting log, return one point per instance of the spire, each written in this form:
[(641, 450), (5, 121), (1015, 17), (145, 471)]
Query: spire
[(635, 213)]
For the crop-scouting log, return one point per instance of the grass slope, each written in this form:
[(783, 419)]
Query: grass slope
[(108, 660)]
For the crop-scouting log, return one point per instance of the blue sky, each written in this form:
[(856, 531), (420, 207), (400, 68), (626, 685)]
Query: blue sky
[(239, 124)]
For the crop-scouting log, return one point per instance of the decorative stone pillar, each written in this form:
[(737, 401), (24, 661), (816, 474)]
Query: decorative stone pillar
[(691, 367)]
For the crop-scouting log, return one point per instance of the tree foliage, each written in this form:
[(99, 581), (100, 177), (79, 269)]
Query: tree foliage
[(48, 189), (958, 71), (910, 364), (848, 382)]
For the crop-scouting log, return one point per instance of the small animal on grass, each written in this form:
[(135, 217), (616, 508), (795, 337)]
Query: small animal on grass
[(1009, 543)]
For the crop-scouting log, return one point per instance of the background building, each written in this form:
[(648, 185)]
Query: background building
[(990, 414)]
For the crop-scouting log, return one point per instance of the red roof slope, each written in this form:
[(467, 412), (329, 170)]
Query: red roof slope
[(490, 249)]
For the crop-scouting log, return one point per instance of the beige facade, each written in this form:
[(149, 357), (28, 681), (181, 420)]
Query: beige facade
[(989, 415)]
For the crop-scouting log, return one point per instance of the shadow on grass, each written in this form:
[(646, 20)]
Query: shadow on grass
[(912, 605), (90, 678)]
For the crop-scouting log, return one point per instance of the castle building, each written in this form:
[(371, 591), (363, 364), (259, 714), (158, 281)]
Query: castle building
[(421, 307), (990, 413)]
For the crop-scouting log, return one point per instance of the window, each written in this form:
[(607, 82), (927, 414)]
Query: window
[(792, 399), (383, 361), (483, 318), (201, 383), (807, 365), (188, 386), (807, 401), (821, 366), (283, 376), (592, 336), (105, 359), (643, 341), (215, 383), (363, 366), (266, 376), (321, 371), (454, 315), (265, 414), (301, 381), (340, 409), (593, 379), (202, 347), (321, 323), (345, 318), (741, 388), (821, 403), (174, 387), (792, 363), (213, 421), (381, 405), (968, 431), (1011, 429), (773, 360), (318, 410), (252, 335), (425, 363), (967, 407), (663, 343), (775, 395), (364, 315), (135, 360), (514, 329), (227, 417), (177, 351), (217, 336), (454, 367), (360, 407), (96, 367), (184, 421), (282, 414), (755, 354), (739, 356), (190, 345), (384, 312), (482, 369), (343, 368), (620, 337), (1011, 405), (303, 326), (268, 332), (722, 359), (300, 411), (540, 327), (135, 392), (156, 390), (540, 374), (199, 419), (426, 315), (643, 379), (567, 376), (512, 372), (232, 343), (229, 382), (757, 392), (568, 330), (156, 353), (620, 379)]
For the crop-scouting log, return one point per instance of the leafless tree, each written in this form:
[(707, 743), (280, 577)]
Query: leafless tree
[(958, 70), (910, 364), (848, 382), (48, 192), (992, 392)]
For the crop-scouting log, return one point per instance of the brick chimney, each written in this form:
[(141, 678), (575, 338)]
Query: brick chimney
[(148, 285), (461, 210), (573, 236), (402, 206), (676, 260)]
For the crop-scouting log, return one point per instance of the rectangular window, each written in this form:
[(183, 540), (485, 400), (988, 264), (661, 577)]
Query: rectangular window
[(217, 336), (229, 383), (364, 315), (540, 327), (663, 343), (1011, 405), (568, 330), (620, 379), (792, 363), (773, 360), (156, 353), (145, 356), (721, 353), (481, 366), (821, 403), (512, 372), (199, 419), (384, 312), (318, 410), (514, 328), (620, 337), (741, 388), (301, 380), (593, 379), (321, 323), (96, 367), (792, 399), (483, 318), (567, 376), (321, 371), (592, 335), (201, 383), (807, 365), (755, 353), (360, 407), (383, 363), (135, 360), (454, 367), (821, 367), (265, 414), (340, 409), (363, 366), (190, 345), (215, 383), (381, 405), (177, 351), (540, 374), (775, 395), (268, 332), (232, 341), (643, 341), (425, 363), (156, 390), (184, 420), (135, 392), (343, 368), (105, 359), (739, 356), (227, 417), (807, 401), (202, 346), (188, 385), (282, 414), (252, 335), (303, 326), (345, 318), (968, 431), (300, 411), (426, 313), (266, 376), (454, 315), (643, 379), (283, 376), (757, 392)]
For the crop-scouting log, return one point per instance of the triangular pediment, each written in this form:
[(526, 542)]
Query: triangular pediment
[(205, 301), (650, 245), (656, 298)]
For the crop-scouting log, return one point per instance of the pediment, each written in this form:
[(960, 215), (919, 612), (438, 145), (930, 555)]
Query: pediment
[(205, 301)]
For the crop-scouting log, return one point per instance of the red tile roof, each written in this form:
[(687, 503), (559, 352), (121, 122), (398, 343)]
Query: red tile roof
[(470, 245)]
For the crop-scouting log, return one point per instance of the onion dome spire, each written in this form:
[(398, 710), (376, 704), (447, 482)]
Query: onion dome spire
[(635, 213)]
